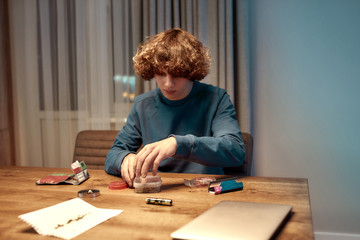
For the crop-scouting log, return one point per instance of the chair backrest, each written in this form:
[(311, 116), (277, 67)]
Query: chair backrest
[(245, 169), (92, 146)]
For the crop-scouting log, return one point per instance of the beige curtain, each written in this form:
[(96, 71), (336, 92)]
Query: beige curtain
[(63, 76), (72, 64)]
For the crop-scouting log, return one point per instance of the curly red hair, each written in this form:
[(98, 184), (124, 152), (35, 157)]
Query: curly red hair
[(176, 51)]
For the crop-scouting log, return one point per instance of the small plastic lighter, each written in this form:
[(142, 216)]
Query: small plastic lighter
[(225, 185)]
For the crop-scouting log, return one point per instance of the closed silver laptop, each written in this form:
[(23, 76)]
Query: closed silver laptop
[(235, 220)]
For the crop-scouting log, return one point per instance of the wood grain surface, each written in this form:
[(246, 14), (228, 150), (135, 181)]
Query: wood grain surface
[(20, 194)]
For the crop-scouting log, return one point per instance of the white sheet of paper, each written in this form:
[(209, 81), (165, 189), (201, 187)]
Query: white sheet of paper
[(67, 219)]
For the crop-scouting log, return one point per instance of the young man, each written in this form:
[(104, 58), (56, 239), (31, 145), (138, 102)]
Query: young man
[(185, 126)]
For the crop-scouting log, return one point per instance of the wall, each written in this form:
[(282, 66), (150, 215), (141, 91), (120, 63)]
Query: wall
[(305, 70)]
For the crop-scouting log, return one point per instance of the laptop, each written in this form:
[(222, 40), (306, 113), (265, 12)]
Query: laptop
[(235, 220)]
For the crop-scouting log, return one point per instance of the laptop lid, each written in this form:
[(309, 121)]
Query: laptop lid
[(235, 220)]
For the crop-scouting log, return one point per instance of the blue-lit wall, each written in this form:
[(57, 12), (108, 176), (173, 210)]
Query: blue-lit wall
[(305, 70)]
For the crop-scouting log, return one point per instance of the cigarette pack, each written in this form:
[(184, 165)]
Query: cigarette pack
[(80, 174)]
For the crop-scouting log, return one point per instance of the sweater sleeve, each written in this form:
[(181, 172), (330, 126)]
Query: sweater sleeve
[(127, 141), (225, 148)]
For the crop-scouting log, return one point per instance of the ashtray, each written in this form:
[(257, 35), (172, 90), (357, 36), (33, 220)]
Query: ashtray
[(149, 184)]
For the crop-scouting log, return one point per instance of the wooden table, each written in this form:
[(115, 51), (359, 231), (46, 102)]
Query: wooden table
[(20, 194)]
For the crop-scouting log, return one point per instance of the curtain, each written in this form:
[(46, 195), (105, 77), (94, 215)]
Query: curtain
[(63, 65), (72, 64)]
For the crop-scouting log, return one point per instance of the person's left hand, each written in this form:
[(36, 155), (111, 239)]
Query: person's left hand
[(152, 154), (128, 169)]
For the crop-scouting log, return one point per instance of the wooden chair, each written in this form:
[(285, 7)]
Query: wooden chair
[(92, 146), (245, 169)]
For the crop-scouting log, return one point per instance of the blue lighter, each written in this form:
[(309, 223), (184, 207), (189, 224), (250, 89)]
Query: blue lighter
[(225, 185)]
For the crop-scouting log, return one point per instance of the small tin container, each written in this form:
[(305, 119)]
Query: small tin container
[(150, 184), (89, 193)]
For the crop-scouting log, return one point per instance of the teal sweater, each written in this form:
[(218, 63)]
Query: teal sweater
[(204, 124)]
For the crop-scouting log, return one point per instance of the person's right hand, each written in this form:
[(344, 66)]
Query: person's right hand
[(150, 156), (128, 167)]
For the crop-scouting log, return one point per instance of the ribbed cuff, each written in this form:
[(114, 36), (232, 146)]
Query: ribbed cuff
[(184, 145)]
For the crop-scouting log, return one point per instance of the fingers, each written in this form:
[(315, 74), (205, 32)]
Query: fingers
[(146, 157), (125, 175), (128, 169), (152, 154), (132, 165), (140, 158), (156, 165), (150, 160)]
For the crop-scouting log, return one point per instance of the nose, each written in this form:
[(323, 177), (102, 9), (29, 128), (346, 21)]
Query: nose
[(169, 81)]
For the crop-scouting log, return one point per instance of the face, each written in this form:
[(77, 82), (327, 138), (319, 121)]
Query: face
[(173, 88)]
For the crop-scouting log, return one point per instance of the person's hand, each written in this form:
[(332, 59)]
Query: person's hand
[(128, 168), (152, 154)]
